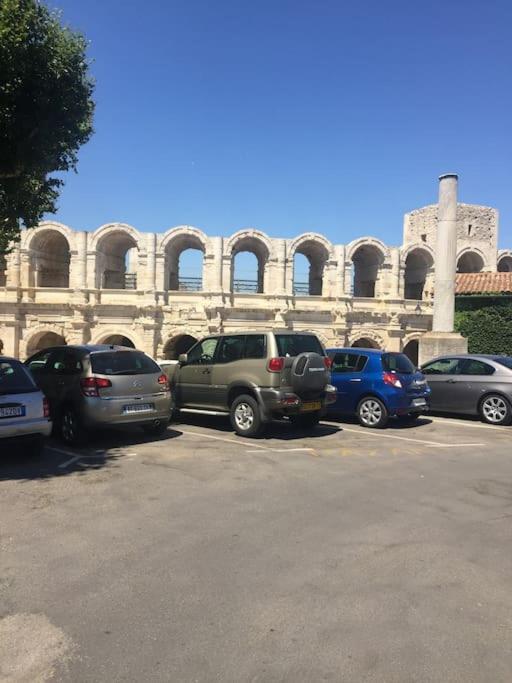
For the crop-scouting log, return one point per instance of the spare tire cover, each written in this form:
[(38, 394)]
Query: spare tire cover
[(308, 373)]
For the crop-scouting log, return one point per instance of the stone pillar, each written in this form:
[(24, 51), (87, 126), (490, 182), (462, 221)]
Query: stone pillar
[(78, 266), (394, 276), (443, 340), (150, 284)]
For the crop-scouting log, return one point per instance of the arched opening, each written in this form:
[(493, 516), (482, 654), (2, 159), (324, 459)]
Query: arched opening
[(118, 340), (181, 343), (44, 340), (505, 264), (248, 264), (184, 257), (309, 262), (470, 262), (117, 261), (365, 343), (50, 259), (3, 271), (411, 351), (367, 261), (1, 346), (418, 265)]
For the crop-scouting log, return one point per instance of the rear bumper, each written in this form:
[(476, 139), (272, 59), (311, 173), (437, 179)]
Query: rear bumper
[(407, 405), (276, 402), (25, 429), (103, 412)]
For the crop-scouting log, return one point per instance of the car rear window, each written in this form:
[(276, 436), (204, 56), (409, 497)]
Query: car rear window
[(397, 362), (14, 379), (504, 360), (294, 344), (123, 363)]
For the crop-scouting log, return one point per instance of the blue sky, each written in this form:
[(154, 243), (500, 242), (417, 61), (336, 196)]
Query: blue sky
[(291, 116)]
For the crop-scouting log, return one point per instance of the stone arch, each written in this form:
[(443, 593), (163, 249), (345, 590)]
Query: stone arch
[(27, 236), (111, 335), (117, 247), (177, 344), (505, 261), (418, 270), (258, 244), (173, 244), (371, 338), (42, 337), (49, 248), (410, 346), (470, 260), (366, 256), (318, 251)]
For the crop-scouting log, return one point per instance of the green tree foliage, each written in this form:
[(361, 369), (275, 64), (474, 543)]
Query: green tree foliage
[(488, 327), (46, 111)]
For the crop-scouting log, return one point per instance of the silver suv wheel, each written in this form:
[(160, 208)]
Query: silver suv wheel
[(244, 416), (495, 409), (371, 412)]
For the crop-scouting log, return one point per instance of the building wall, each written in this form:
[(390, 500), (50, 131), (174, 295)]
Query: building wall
[(150, 315)]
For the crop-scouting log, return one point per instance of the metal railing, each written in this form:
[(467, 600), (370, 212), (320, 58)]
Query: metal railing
[(301, 288), (190, 284), (250, 286), (130, 280)]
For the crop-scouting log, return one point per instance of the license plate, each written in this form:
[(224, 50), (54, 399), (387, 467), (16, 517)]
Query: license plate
[(139, 408), (419, 402), (12, 411), (309, 407)]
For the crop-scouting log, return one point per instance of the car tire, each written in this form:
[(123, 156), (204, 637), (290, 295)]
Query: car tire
[(495, 410), (306, 420), (156, 429), (372, 413), (71, 430), (245, 416)]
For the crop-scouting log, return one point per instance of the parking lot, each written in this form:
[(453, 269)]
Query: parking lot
[(345, 554)]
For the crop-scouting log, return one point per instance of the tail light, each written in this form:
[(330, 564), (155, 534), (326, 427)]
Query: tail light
[(275, 364), (328, 362), (46, 407), (163, 382), (91, 385), (392, 380)]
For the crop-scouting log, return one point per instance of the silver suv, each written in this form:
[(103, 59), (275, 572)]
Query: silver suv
[(91, 386), (24, 411), (255, 377)]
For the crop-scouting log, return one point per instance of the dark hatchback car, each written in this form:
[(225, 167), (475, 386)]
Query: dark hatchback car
[(93, 386), (375, 385), (472, 385)]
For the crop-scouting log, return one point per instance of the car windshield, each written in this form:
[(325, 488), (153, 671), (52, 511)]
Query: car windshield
[(14, 379), (293, 344), (123, 363), (397, 362), (504, 360)]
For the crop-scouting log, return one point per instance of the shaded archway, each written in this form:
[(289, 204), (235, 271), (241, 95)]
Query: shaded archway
[(117, 261), (418, 265), (470, 262), (367, 261), (184, 260), (118, 340), (365, 343), (411, 351), (49, 259), (43, 340), (181, 343), (309, 259), (3, 271), (505, 264), (249, 258)]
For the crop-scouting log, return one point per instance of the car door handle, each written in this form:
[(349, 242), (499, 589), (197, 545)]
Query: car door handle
[(451, 381), (355, 380), (206, 372)]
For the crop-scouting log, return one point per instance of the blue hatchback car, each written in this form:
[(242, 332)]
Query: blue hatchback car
[(375, 385)]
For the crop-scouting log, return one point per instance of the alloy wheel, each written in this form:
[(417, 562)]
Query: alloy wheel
[(495, 409), (371, 412), (244, 416)]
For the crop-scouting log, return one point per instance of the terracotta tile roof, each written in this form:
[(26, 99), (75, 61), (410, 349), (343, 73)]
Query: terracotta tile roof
[(483, 283)]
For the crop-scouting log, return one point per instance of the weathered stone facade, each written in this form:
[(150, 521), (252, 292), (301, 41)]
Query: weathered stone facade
[(62, 285)]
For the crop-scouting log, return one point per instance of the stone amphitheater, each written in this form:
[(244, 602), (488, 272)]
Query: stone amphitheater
[(119, 285)]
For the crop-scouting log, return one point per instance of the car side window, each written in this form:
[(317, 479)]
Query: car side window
[(348, 362), (476, 367), (231, 349), (65, 362), (203, 352), (443, 366), (39, 363), (255, 346)]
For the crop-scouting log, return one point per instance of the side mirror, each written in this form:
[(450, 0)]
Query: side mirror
[(182, 358)]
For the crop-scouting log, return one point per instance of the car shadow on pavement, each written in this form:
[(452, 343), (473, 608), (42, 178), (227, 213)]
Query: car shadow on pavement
[(279, 429), (102, 450), (393, 423)]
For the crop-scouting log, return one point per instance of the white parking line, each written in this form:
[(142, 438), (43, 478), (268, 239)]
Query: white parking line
[(70, 461), (434, 444), (220, 438), (467, 423)]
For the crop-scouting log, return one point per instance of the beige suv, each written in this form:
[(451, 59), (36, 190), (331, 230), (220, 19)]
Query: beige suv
[(255, 377)]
